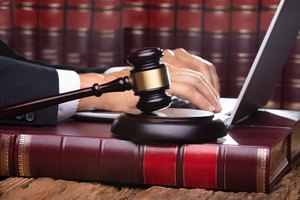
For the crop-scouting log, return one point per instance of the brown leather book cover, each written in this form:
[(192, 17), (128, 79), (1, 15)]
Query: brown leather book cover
[(252, 157)]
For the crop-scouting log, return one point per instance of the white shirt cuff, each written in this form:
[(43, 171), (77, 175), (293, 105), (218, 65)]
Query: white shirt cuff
[(68, 81)]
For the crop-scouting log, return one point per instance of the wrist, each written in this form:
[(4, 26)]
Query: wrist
[(86, 81)]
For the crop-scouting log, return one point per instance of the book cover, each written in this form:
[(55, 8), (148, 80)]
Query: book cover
[(252, 157)]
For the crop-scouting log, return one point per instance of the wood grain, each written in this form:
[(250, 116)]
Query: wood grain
[(14, 188)]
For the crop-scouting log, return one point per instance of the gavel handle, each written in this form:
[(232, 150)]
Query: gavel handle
[(118, 85)]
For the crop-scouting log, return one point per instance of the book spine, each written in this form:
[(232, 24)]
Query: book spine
[(162, 24), (78, 18), (106, 43), (216, 38), (135, 24), (210, 166), (25, 21), (6, 154), (243, 43), (6, 21), (189, 26), (291, 79), (51, 26)]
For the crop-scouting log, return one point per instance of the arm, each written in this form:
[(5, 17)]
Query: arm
[(20, 81)]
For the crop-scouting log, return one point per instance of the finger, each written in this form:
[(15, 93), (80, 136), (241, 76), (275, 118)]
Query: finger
[(170, 58), (212, 71), (199, 64), (188, 92)]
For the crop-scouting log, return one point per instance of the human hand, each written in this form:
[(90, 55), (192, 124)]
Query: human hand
[(193, 78), (180, 58)]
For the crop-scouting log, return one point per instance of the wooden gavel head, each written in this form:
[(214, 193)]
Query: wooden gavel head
[(150, 79)]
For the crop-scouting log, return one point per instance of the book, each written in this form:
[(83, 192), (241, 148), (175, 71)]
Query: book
[(25, 24), (106, 36), (135, 24), (162, 24), (51, 31), (252, 157), (216, 38), (243, 44), (291, 79), (189, 26), (6, 21), (78, 17)]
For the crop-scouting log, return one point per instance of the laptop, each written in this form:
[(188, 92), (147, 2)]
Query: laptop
[(264, 71), (269, 61)]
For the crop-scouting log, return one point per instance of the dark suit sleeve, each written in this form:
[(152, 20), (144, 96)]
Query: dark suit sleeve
[(22, 79)]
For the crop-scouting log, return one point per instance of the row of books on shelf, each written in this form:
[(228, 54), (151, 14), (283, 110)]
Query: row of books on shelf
[(103, 33)]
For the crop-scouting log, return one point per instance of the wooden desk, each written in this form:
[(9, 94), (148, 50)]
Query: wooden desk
[(46, 188)]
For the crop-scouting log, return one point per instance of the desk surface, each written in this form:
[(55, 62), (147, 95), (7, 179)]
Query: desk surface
[(46, 188)]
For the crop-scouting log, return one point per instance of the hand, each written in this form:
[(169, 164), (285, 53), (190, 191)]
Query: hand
[(194, 79), (180, 58)]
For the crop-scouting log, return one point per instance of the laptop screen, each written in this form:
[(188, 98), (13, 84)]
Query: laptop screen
[(269, 60)]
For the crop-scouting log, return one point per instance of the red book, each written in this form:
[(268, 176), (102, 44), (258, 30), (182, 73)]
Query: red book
[(77, 32), (25, 23), (51, 31), (162, 24), (106, 45), (243, 44), (135, 22), (291, 79), (6, 22), (189, 26), (216, 38), (253, 157)]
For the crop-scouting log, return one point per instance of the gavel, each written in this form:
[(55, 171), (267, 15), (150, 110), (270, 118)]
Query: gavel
[(149, 79)]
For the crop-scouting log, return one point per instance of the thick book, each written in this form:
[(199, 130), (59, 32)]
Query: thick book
[(216, 32), (252, 157), (291, 79), (6, 22), (135, 24), (106, 37), (243, 44), (51, 17), (25, 24)]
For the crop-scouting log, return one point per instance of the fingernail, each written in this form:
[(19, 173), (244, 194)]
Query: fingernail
[(211, 108)]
